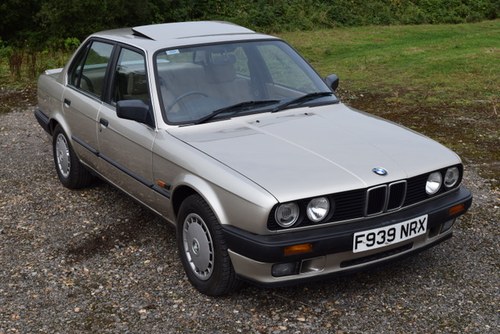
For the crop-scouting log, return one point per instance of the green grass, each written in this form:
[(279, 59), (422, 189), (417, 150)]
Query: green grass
[(431, 64)]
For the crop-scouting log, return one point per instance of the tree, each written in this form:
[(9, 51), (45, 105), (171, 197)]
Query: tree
[(18, 23)]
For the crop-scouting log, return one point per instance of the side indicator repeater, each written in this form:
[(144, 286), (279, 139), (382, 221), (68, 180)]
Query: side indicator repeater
[(162, 184)]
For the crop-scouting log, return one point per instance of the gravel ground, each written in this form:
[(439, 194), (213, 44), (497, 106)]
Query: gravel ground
[(95, 261)]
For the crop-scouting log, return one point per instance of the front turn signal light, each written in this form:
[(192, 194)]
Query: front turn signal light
[(455, 210), (297, 249)]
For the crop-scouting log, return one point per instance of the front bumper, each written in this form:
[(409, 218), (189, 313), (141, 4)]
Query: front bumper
[(253, 256)]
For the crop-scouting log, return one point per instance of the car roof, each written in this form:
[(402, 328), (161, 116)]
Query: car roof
[(156, 36), (167, 31)]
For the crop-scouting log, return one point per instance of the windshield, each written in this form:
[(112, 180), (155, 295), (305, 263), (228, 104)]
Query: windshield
[(213, 82)]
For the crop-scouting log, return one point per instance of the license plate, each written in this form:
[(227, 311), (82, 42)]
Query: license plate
[(388, 235)]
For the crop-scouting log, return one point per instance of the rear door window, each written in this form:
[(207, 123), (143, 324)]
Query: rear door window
[(90, 68)]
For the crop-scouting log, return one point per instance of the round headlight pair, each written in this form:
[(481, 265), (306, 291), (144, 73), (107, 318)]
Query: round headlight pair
[(435, 180), (287, 214)]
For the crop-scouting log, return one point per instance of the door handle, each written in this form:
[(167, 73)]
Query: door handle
[(67, 102), (103, 122)]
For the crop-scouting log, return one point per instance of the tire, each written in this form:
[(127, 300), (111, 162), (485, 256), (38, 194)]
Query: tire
[(71, 172), (202, 249)]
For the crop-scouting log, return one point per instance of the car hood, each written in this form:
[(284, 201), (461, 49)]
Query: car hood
[(305, 152)]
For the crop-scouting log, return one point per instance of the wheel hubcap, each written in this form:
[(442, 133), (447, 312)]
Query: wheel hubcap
[(62, 155), (198, 246)]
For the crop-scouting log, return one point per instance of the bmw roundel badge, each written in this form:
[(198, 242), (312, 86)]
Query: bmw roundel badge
[(380, 171)]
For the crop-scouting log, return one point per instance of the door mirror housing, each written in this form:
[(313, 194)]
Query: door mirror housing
[(332, 81), (135, 110)]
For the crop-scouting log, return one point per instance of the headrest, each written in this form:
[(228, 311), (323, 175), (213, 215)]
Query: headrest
[(221, 68), (137, 84)]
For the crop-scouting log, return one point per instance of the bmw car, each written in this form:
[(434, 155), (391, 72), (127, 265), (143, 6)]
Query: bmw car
[(232, 137)]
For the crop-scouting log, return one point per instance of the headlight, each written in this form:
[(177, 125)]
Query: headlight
[(451, 177), (287, 214), (433, 183), (318, 209)]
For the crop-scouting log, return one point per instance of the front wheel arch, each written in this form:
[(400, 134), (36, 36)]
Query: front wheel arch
[(179, 195), (190, 184)]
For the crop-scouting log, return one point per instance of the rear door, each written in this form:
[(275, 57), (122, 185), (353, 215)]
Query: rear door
[(82, 98)]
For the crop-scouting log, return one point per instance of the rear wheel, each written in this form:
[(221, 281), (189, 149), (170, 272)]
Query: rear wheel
[(203, 250), (70, 170)]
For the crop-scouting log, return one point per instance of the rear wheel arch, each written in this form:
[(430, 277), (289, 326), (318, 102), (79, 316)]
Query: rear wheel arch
[(59, 121), (52, 126)]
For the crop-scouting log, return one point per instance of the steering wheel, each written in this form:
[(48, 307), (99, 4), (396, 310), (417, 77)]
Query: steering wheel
[(88, 82), (183, 96)]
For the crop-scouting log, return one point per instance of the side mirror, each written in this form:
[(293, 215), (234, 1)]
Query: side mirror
[(135, 110), (332, 81)]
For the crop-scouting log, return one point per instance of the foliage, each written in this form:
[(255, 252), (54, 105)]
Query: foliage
[(54, 26), (389, 12), (52, 21), (71, 43)]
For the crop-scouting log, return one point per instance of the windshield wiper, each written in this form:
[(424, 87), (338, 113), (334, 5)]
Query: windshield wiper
[(241, 106), (301, 99)]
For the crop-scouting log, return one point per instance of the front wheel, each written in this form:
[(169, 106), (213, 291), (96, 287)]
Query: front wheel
[(202, 249), (71, 172)]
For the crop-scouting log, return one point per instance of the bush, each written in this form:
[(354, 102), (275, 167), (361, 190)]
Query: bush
[(386, 12), (48, 20), (71, 43)]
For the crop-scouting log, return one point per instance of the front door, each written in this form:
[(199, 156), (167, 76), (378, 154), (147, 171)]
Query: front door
[(125, 146)]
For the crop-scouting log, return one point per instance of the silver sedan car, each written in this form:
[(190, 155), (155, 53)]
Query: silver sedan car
[(232, 137)]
